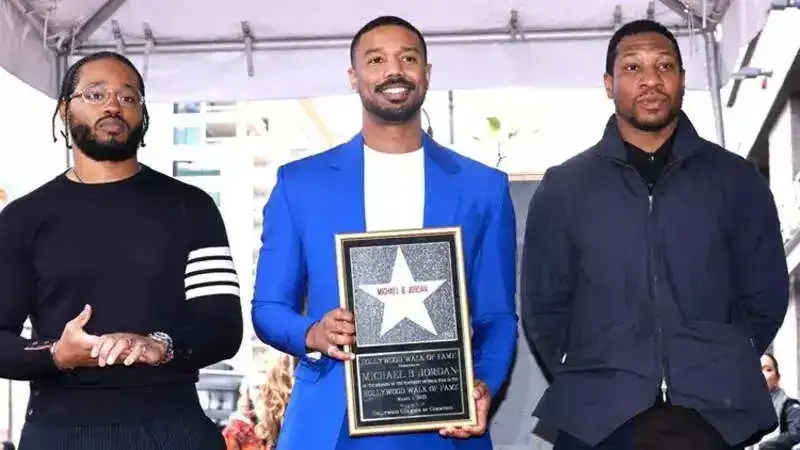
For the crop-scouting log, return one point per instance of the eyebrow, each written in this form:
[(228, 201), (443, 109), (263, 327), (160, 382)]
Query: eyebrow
[(405, 49), (636, 52), (100, 83)]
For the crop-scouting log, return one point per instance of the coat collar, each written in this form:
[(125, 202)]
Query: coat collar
[(686, 142)]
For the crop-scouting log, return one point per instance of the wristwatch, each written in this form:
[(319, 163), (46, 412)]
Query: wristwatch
[(164, 338)]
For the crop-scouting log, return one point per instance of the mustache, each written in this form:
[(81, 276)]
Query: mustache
[(651, 93), (116, 119), (395, 82)]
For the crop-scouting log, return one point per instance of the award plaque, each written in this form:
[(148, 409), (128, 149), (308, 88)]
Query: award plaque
[(413, 359)]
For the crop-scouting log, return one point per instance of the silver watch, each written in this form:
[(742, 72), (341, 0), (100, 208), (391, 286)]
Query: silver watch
[(164, 338)]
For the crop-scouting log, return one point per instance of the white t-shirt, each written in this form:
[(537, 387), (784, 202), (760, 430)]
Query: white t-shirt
[(394, 189)]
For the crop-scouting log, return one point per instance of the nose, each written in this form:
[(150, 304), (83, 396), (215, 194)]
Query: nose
[(112, 104), (650, 76), (393, 68)]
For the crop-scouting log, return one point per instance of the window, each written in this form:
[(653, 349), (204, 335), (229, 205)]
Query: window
[(193, 169), (186, 108), (220, 106), (220, 130), (186, 136)]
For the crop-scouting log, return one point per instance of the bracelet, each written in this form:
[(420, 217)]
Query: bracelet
[(40, 345)]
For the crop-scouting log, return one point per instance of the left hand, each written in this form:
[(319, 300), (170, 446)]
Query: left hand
[(133, 347), (482, 403)]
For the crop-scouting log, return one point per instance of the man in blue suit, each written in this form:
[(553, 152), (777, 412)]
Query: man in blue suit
[(390, 176)]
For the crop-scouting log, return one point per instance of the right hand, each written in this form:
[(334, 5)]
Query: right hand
[(74, 347), (336, 329)]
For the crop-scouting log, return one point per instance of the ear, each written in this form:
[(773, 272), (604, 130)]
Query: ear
[(62, 111), (428, 73), (608, 83), (351, 74)]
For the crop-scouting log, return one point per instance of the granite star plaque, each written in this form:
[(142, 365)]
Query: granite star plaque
[(413, 367)]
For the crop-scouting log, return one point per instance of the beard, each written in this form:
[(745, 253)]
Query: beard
[(652, 126), (396, 113), (110, 150)]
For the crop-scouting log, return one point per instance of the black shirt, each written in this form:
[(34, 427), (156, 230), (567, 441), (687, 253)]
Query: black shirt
[(650, 165), (148, 253)]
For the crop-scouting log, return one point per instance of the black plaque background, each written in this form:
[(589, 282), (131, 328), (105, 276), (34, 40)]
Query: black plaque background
[(459, 343)]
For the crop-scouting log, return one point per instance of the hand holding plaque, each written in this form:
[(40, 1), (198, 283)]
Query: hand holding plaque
[(336, 329), (482, 404)]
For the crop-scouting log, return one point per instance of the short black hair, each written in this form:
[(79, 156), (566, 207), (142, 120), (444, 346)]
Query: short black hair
[(70, 82), (639, 27), (383, 21), (774, 363)]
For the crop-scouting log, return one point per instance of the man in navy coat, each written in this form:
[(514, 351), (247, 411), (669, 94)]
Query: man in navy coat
[(653, 273)]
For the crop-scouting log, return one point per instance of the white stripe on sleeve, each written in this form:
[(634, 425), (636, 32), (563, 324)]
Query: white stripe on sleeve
[(210, 271)]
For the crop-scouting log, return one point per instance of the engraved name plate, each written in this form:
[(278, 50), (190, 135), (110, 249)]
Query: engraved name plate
[(413, 368)]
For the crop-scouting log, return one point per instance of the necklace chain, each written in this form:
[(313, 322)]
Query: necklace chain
[(75, 172)]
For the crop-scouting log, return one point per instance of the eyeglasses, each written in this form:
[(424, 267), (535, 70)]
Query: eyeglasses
[(99, 95)]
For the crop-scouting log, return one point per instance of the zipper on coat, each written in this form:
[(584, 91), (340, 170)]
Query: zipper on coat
[(664, 385)]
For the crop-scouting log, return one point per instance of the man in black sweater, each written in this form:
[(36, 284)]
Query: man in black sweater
[(127, 277)]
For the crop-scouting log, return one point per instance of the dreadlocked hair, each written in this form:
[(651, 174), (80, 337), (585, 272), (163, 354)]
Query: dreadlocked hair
[(70, 81)]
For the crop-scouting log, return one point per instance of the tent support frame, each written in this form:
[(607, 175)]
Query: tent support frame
[(714, 83), (249, 44), (237, 45), (78, 46), (25, 10)]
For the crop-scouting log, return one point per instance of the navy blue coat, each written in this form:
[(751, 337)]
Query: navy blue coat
[(624, 292)]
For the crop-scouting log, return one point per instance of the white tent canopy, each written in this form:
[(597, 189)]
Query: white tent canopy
[(250, 49)]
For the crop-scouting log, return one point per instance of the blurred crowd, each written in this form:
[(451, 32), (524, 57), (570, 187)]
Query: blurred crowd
[(263, 397)]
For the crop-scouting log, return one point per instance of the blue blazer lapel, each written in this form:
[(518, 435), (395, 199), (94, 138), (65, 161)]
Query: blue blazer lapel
[(442, 198), (348, 212)]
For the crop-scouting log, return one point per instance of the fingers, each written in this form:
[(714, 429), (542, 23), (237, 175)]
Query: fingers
[(107, 349), (337, 353), (343, 327), (481, 390), (336, 329), (82, 318), (340, 339), (341, 314), (110, 350), (154, 353), (458, 433), (482, 402), (98, 344), (138, 351)]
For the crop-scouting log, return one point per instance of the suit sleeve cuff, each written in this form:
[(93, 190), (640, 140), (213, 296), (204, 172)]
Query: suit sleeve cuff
[(297, 339)]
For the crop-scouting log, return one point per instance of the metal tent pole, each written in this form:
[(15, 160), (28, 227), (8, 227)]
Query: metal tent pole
[(451, 117), (714, 83), (321, 42)]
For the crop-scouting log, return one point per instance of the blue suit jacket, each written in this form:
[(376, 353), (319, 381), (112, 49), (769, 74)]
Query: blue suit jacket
[(322, 195)]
